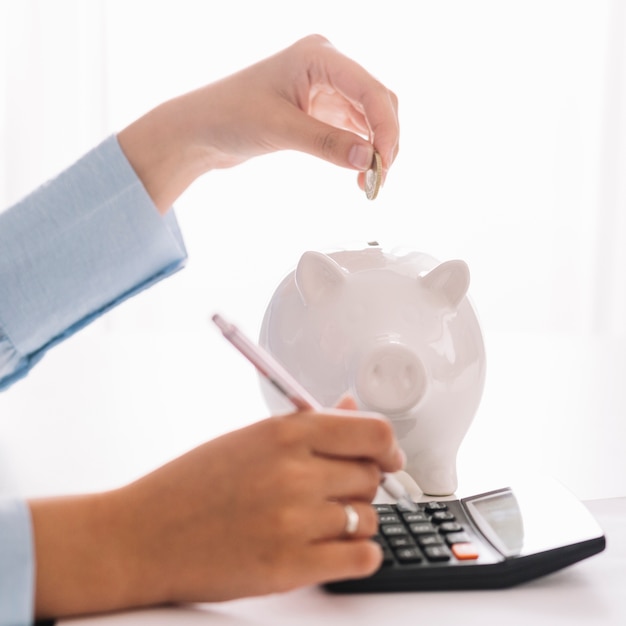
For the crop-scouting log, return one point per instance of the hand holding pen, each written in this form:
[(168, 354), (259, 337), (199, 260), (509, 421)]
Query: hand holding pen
[(301, 399)]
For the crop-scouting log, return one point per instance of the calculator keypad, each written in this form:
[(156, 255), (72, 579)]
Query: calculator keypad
[(432, 534)]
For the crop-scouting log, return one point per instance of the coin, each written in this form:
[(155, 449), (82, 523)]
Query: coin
[(374, 177)]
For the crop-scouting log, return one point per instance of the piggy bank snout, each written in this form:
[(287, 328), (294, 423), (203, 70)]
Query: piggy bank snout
[(390, 379)]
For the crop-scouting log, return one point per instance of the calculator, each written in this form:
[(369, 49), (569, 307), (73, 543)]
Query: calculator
[(491, 540)]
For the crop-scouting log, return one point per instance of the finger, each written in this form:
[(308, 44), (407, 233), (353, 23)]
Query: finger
[(341, 479), (340, 559), (332, 108), (329, 521), (366, 519), (331, 69), (385, 139), (353, 435), (378, 104), (300, 131), (347, 403)]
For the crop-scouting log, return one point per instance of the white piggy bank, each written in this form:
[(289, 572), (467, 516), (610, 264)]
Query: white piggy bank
[(396, 331)]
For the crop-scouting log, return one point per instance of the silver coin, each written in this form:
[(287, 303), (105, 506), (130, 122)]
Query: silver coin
[(374, 177)]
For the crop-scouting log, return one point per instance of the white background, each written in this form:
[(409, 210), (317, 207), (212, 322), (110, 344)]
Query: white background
[(512, 158)]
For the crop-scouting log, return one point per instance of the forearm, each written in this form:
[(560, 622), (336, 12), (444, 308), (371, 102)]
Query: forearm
[(213, 127), (87, 557), (162, 150)]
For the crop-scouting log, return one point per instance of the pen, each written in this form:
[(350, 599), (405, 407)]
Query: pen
[(286, 384)]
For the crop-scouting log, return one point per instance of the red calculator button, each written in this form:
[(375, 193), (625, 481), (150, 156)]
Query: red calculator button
[(464, 551)]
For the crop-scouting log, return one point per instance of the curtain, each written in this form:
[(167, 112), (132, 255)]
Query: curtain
[(53, 82), (609, 275)]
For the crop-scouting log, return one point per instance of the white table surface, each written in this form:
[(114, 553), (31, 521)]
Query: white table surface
[(589, 592)]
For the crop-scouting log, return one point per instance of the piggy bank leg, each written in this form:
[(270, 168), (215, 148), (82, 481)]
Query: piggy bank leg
[(434, 472)]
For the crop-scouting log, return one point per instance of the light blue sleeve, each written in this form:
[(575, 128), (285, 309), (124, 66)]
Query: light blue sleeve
[(16, 564), (74, 248), (71, 250)]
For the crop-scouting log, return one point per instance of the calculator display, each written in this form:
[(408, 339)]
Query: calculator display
[(499, 518), (522, 520)]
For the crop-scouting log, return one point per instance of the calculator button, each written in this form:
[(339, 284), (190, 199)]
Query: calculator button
[(431, 507), (420, 528), (465, 551), (442, 516), (429, 540), (450, 527), (401, 541), (388, 518), (461, 537), (393, 529), (410, 518), (412, 555), (384, 508), (437, 553)]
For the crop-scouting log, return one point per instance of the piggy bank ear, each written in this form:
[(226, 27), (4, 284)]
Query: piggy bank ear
[(449, 280), (317, 275)]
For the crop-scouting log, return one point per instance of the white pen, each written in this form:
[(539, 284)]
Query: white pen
[(276, 374)]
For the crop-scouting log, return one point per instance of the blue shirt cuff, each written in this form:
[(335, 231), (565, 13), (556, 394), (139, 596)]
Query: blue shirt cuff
[(17, 568), (74, 248)]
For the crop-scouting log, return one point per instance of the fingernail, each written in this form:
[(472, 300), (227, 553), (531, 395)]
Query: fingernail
[(361, 156)]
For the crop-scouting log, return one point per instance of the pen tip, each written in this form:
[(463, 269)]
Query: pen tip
[(219, 321)]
